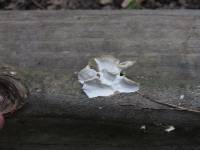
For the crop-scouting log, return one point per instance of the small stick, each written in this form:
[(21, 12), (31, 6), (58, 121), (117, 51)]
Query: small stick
[(166, 104)]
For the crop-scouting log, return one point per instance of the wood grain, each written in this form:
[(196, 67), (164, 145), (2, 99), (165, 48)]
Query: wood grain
[(47, 49)]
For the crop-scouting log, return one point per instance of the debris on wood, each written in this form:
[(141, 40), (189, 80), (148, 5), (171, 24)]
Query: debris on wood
[(181, 97), (143, 127), (100, 108), (169, 128)]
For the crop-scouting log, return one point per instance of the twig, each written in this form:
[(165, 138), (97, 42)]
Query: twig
[(168, 105), (164, 104)]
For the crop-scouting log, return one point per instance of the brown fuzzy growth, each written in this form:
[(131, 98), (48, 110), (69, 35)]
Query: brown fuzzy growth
[(13, 94)]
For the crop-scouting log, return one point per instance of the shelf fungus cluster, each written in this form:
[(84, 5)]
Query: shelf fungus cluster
[(103, 77), (13, 94)]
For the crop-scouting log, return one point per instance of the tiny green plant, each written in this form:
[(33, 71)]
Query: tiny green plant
[(134, 4)]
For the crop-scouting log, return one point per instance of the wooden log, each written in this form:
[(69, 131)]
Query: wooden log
[(47, 49)]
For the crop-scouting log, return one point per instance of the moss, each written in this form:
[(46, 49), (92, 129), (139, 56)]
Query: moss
[(134, 4), (57, 81), (55, 78), (65, 82)]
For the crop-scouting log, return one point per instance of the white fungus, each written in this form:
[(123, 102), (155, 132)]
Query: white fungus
[(106, 80)]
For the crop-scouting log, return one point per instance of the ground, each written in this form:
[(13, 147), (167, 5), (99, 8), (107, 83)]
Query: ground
[(96, 4)]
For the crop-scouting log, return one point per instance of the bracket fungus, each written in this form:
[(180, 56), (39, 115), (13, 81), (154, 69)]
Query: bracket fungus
[(13, 94), (103, 77)]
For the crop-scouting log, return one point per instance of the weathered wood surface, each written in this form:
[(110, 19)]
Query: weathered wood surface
[(46, 49), (53, 134)]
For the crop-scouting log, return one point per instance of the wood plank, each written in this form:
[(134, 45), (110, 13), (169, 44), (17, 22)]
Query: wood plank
[(46, 49), (53, 134)]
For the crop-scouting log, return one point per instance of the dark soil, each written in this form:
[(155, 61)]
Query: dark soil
[(48, 4), (95, 4), (171, 4)]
